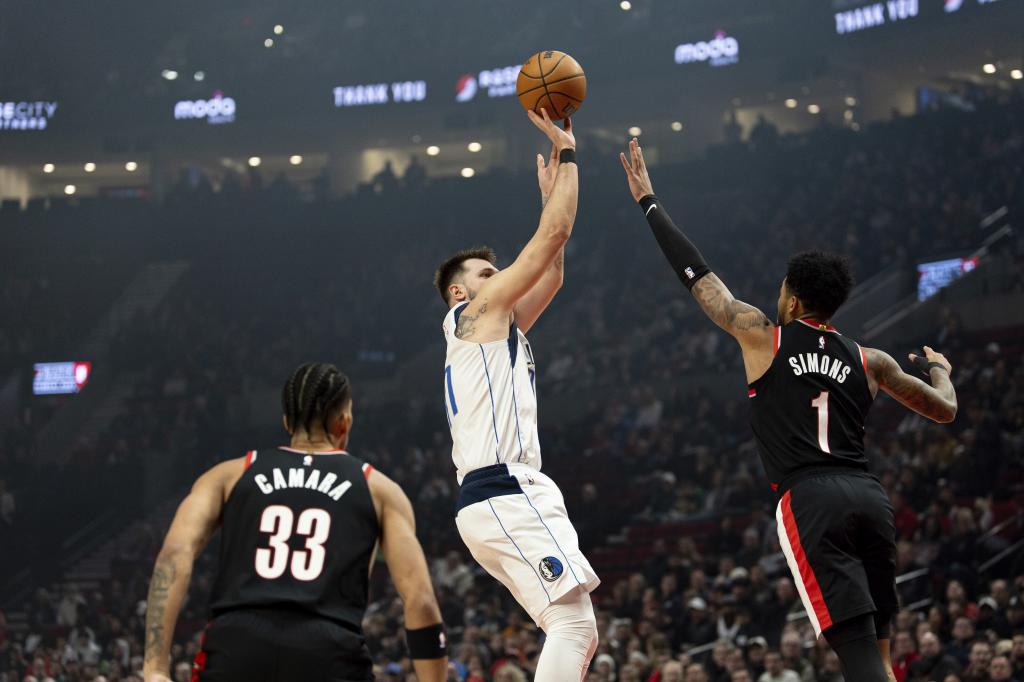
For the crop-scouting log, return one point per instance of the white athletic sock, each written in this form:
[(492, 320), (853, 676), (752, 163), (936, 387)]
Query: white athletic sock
[(571, 629)]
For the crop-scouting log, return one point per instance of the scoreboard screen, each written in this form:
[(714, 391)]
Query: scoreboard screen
[(931, 277), (60, 378)]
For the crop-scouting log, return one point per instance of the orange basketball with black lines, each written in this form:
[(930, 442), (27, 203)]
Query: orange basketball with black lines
[(554, 81)]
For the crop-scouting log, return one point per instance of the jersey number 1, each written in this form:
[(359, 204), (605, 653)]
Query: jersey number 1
[(306, 564), (821, 403)]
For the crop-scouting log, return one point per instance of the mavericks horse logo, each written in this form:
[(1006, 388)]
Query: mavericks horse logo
[(550, 568)]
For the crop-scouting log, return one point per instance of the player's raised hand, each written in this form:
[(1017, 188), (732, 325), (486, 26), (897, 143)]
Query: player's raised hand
[(636, 171), (929, 357), (546, 174), (562, 138)]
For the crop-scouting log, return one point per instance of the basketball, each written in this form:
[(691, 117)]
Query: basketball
[(554, 81)]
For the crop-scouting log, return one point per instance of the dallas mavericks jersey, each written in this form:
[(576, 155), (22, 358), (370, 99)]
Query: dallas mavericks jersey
[(490, 399)]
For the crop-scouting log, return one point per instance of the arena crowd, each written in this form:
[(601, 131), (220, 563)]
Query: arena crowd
[(695, 585)]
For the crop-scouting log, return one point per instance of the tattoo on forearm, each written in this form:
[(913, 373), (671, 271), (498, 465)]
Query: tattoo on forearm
[(716, 301), (156, 606), (466, 325), (932, 401)]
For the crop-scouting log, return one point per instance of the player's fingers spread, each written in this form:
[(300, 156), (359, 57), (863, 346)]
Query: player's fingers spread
[(544, 113), (625, 164), (540, 162), (567, 124), (912, 356)]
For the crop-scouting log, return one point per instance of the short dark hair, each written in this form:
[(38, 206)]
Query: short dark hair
[(451, 269), (314, 392), (821, 280)]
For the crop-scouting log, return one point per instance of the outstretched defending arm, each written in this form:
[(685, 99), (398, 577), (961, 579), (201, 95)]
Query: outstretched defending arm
[(408, 566), (749, 325), (195, 521), (936, 401)]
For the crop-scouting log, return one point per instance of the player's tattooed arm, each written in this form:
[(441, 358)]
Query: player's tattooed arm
[(718, 303), (195, 521), (156, 607), (466, 325), (936, 401)]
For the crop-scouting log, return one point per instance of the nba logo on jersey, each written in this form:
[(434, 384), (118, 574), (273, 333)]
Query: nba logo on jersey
[(689, 273), (821, 342), (308, 460)]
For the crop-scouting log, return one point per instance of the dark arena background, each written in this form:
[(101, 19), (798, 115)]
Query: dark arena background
[(198, 197)]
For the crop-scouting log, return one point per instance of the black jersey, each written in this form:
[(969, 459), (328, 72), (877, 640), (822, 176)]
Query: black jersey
[(809, 408), (299, 532)]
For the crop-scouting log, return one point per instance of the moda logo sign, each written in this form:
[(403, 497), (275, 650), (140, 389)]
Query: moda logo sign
[(216, 110), (721, 50)]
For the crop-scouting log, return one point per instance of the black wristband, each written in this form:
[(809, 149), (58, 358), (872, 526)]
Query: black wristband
[(426, 643), (926, 366), (684, 257), (567, 155)]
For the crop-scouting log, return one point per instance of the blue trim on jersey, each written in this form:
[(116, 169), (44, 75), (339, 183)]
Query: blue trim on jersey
[(451, 391), (520, 551), (494, 418), (513, 342), (566, 556), (515, 402), (457, 313)]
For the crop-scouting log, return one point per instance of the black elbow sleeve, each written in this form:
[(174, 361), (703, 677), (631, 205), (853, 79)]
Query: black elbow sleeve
[(682, 255)]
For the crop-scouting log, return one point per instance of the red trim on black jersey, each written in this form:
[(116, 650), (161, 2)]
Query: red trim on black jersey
[(250, 457), (778, 339), (751, 392), (367, 470), (312, 452), (807, 577), (863, 357), (199, 663), (818, 326)]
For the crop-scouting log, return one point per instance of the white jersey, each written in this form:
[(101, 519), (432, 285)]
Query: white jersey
[(490, 399)]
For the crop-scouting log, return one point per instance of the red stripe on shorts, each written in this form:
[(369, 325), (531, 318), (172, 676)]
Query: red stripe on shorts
[(807, 576)]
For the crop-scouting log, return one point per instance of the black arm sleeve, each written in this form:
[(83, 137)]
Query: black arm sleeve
[(682, 255)]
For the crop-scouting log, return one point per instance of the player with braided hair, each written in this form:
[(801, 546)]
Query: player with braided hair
[(301, 526)]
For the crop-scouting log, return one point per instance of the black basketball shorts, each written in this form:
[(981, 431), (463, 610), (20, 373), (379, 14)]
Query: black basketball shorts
[(264, 645), (839, 537)]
